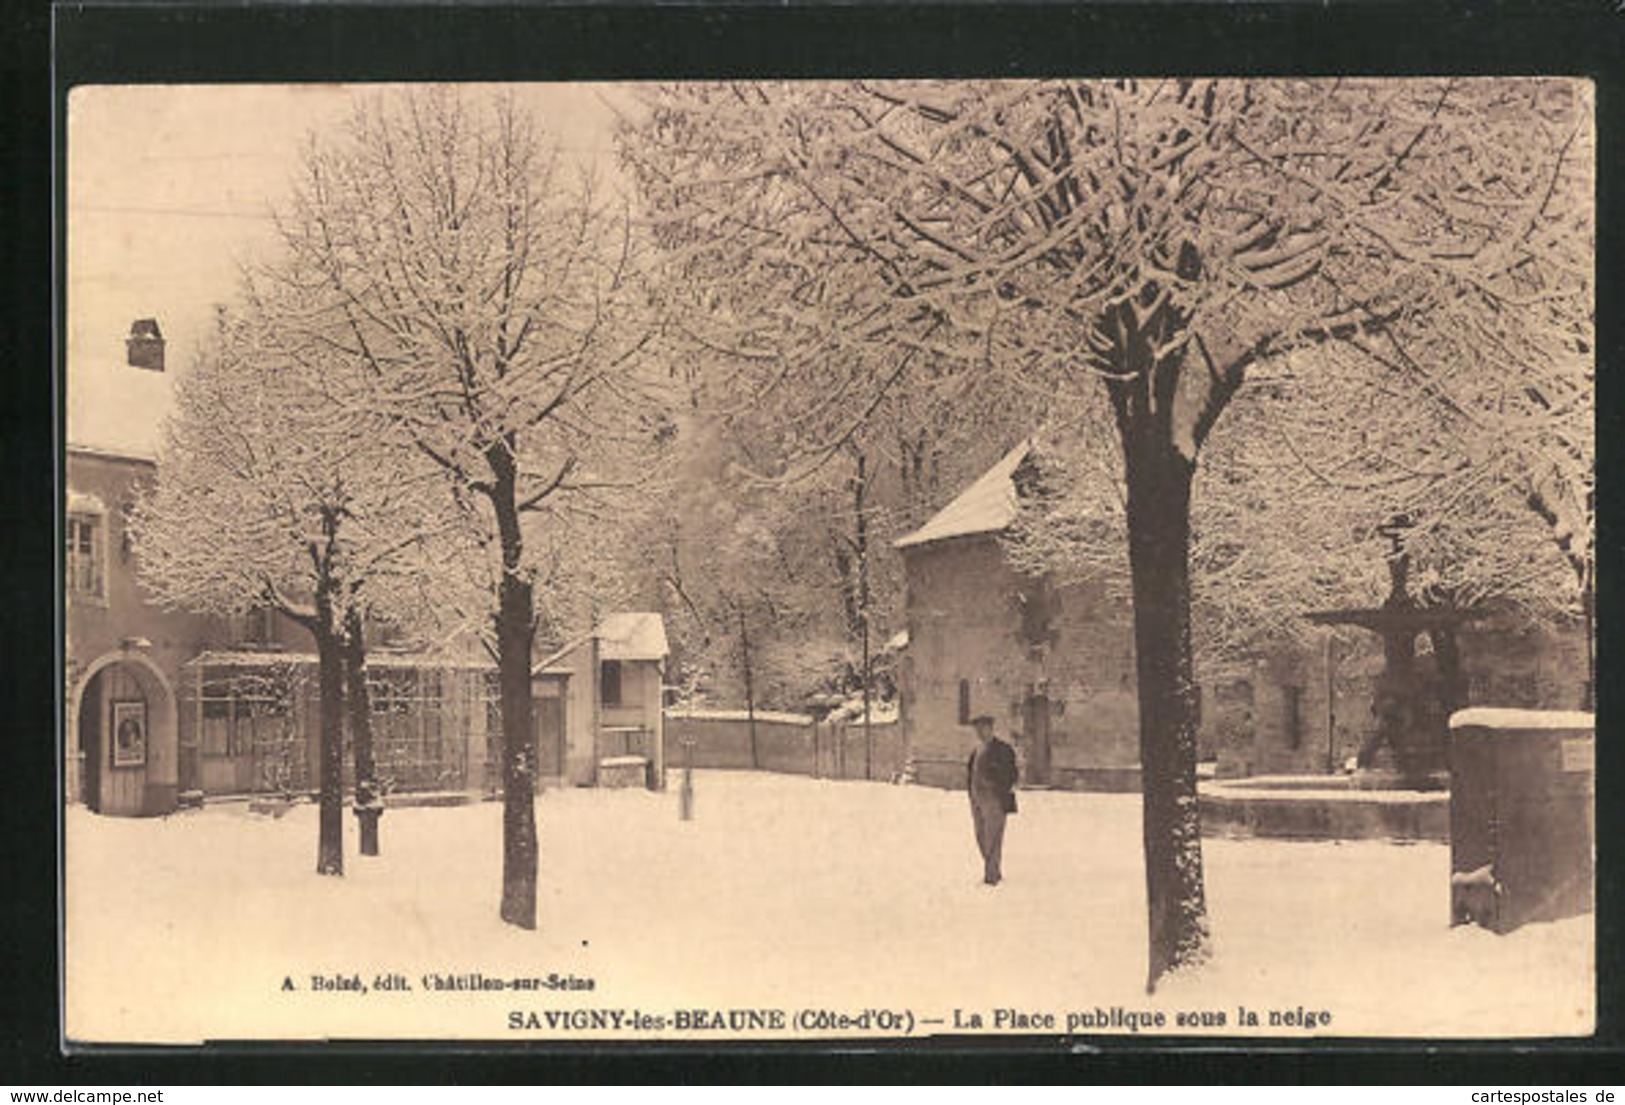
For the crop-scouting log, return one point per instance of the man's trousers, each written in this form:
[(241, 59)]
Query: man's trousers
[(988, 813)]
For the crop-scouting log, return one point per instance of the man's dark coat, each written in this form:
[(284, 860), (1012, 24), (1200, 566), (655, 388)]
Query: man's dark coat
[(991, 769)]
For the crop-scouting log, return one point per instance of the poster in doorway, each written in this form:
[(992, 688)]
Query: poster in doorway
[(129, 734)]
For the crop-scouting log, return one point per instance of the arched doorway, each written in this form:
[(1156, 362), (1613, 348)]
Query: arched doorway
[(126, 728)]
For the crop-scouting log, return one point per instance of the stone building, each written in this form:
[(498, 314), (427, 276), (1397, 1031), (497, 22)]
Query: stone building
[(161, 704), (123, 655), (1054, 665)]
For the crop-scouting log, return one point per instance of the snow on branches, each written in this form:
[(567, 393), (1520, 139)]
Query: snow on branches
[(1142, 246)]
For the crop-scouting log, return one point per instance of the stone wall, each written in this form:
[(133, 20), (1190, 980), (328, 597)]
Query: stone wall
[(985, 639), (722, 740), (792, 744)]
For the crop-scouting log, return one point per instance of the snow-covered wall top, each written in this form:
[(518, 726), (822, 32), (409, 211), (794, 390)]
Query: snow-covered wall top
[(1485, 717), (739, 715), (880, 713)]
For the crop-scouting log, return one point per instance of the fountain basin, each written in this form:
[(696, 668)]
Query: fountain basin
[(1323, 807)]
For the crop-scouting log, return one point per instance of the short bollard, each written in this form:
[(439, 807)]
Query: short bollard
[(685, 793)]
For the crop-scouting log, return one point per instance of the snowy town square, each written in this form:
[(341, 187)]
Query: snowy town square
[(854, 560), (785, 894)]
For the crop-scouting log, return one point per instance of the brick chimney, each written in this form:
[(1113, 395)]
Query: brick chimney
[(145, 345)]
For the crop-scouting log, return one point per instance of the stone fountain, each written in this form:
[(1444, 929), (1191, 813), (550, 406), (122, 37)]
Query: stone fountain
[(1411, 742), (1399, 789)]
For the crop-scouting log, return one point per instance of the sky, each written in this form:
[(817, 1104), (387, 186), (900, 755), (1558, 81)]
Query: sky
[(169, 189)]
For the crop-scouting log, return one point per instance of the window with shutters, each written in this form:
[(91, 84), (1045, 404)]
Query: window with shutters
[(83, 562)]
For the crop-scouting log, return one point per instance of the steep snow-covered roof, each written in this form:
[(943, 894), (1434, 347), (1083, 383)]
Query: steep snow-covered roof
[(986, 506)]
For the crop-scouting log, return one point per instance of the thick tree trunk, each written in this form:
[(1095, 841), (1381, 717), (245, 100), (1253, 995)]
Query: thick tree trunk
[(369, 798), (520, 858), (1159, 486), (515, 630), (330, 679)]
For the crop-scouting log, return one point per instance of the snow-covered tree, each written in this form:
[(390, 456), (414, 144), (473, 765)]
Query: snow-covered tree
[(1294, 483), (486, 300), (1137, 243), (274, 490)]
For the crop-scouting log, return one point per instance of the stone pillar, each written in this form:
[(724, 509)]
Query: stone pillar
[(1522, 823)]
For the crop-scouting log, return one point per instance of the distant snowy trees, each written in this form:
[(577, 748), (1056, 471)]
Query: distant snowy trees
[(791, 438), (1135, 248), (794, 560)]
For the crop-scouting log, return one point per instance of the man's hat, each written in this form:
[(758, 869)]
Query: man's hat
[(982, 719)]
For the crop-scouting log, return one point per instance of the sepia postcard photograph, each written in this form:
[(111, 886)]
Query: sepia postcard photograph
[(888, 560)]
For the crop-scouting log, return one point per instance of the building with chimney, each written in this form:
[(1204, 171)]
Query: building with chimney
[(165, 707)]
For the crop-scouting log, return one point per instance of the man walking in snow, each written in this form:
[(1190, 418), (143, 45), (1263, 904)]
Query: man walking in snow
[(990, 776)]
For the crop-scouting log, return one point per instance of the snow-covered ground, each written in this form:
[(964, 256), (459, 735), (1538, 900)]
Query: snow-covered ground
[(786, 896)]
